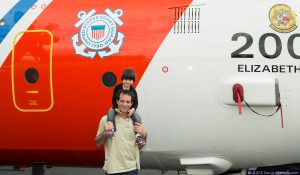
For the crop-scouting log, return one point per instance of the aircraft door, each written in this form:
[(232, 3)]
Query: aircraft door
[(31, 71)]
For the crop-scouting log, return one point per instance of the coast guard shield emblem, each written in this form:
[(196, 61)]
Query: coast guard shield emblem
[(98, 34)]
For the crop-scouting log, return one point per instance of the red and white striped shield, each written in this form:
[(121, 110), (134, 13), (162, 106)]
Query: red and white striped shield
[(98, 32)]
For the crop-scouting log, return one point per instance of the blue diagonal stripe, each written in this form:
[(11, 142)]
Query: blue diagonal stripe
[(14, 15)]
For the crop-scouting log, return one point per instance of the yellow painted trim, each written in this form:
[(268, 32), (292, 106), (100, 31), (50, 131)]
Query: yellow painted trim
[(13, 78), (32, 92)]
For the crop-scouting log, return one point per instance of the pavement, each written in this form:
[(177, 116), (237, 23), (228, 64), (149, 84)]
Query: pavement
[(6, 170)]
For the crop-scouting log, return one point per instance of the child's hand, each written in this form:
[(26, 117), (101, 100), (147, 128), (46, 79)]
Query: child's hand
[(130, 112), (118, 110)]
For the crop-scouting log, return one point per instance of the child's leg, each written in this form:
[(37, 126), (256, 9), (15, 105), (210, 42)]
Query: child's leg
[(111, 117), (136, 118)]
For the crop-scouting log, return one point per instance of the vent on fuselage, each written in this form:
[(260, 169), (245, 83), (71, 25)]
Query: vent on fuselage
[(186, 19)]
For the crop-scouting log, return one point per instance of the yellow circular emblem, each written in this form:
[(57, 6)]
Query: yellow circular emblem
[(282, 18)]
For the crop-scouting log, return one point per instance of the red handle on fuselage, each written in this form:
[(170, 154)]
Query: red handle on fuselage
[(238, 95)]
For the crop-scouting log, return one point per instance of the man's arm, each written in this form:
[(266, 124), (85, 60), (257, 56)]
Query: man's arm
[(142, 131), (99, 140), (100, 137)]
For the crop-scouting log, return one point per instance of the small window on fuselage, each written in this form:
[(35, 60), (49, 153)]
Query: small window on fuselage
[(109, 79), (31, 75)]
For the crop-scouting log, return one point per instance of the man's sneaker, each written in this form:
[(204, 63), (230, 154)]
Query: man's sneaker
[(109, 133), (139, 140)]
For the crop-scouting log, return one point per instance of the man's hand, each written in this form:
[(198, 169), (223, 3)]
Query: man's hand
[(108, 125), (130, 112), (141, 130)]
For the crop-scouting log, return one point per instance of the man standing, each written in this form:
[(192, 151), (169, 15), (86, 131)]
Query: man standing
[(121, 153)]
